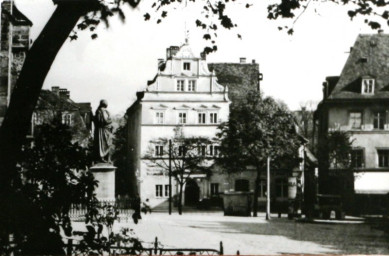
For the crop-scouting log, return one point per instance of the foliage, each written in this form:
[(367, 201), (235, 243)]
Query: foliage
[(304, 118), (256, 130), (214, 14), (187, 157), (335, 149), (52, 176), (120, 158)]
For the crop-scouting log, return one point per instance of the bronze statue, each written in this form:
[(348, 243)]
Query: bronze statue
[(103, 133)]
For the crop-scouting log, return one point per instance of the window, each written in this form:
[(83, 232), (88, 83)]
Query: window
[(167, 189), (201, 119), (186, 66), (159, 117), (367, 86), (262, 188), (34, 121), (67, 119), (379, 120), (242, 185), (357, 160), (383, 158), (213, 118), (181, 151), (182, 118), (281, 188), (355, 120), (158, 190), (159, 150), (202, 149), (214, 189), (213, 150), (191, 85), (180, 85)]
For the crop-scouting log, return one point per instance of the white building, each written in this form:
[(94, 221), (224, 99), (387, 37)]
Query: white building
[(185, 94)]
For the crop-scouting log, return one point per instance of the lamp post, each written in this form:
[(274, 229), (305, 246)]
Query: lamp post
[(268, 190), (170, 177)]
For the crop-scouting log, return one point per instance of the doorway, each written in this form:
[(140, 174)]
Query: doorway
[(192, 193)]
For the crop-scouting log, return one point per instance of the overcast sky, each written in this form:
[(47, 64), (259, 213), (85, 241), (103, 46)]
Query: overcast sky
[(124, 56)]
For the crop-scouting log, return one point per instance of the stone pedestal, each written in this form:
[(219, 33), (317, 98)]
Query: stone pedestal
[(104, 173)]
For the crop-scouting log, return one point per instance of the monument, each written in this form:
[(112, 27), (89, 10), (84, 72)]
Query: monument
[(103, 169)]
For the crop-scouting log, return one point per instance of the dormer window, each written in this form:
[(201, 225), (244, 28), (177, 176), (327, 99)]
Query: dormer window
[(187, 66), (367, 86)]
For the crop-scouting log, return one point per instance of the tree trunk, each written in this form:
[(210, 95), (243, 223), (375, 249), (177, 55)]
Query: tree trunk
[(180, 199), (256, 193), (28, 87)]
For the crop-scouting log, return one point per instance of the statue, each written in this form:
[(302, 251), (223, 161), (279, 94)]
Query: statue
[(102, 143)]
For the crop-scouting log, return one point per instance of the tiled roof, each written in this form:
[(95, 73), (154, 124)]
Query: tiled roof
[(84, 107), (49, 100), (369, 58), (18, 18)]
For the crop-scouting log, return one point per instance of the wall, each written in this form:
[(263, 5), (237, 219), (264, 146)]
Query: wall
[(240, 78)]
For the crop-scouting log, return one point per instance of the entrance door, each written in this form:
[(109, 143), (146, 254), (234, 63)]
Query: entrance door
[(192, 193)]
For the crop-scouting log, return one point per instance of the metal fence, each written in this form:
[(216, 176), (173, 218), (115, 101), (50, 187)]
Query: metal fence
[(125, 207), (157, 249)]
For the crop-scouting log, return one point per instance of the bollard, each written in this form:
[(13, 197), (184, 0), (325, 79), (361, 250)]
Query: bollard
[(156, 245), (237, 252), (69, 247), (221, 248)]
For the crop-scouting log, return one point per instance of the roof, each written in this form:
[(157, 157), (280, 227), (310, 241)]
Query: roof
[(369, 58), (18, 18), (84, 107), (49, 100)]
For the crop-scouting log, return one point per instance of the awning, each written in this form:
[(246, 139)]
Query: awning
[(372, 183)]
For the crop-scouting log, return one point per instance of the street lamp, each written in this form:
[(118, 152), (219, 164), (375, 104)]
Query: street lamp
[(268, 190)]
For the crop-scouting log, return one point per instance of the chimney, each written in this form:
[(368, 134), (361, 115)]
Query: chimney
[(55, 90), (171, 51), (6, 5), (203, 56), (64, 94), (325, 90), (253, 61), (160, 63), (242, 60)]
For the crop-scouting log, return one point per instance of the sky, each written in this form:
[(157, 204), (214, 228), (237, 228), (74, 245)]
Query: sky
[(124, 56)]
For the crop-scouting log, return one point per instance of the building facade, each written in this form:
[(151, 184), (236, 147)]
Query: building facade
[(14, 44), (183, 94), (357, 102), (56, 104)]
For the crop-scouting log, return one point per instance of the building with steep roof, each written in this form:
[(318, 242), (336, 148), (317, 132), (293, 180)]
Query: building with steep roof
[(357, 102), (14, 44), (56, 104)]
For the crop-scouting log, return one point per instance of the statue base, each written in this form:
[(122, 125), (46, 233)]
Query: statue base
[(104, 173)]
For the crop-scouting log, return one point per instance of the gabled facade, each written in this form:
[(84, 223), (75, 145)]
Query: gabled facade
[(357, 101), (184, 94)]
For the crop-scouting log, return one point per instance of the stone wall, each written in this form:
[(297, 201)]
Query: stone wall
[(20, 46), (239, 77)]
